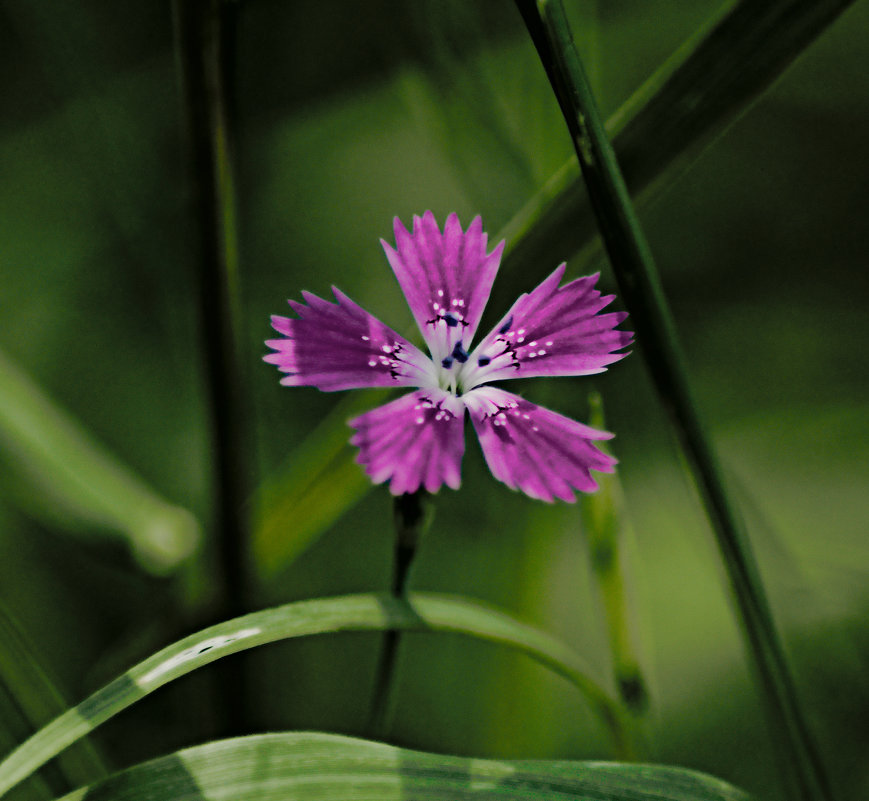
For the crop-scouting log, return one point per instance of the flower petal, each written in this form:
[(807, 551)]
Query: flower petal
[(335, 346), (446, 279), (416, 441), (535, 450), (551, 330)]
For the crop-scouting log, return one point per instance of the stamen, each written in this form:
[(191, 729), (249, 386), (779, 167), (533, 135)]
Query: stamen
[(483, 361), (450, 320), (506, 327), (448, 362), (459, 353)]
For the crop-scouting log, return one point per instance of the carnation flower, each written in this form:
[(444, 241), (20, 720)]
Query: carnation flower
[(418, 440)]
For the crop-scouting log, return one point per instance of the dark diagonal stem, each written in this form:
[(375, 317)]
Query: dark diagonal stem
[(204, 30), (691, 99), (640, 286)]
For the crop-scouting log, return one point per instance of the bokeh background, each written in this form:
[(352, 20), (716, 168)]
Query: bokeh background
[(346, 115)]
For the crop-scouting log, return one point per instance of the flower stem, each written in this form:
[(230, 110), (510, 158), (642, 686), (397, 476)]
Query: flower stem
[(640, 286), (204, 31), (412, 517)]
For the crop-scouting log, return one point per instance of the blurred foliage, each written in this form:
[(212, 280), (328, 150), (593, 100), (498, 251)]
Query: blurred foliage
[(344, 119), (58, 473)]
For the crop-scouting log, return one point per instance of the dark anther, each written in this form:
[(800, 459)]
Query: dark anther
[(448, 362), (459, 353), (506, 327), (483, 361), (451, 321)]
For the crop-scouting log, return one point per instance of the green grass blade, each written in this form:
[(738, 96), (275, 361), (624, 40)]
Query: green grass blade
[(604, 526), (319, 482), (64, 476), (364, 612), (712, 79), (641, 290), (36, 788), (299, 766), (35, 701)]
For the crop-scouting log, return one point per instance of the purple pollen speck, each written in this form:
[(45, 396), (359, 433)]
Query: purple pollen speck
[(418, 440)]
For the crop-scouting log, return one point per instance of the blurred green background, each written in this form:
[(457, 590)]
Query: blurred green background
[(348, 114)]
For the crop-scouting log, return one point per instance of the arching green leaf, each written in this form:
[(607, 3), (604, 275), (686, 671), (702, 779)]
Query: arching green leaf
[(364, 612), (303, 766)]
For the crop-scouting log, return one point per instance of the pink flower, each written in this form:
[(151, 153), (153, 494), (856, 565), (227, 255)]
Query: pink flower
[(418, 440)]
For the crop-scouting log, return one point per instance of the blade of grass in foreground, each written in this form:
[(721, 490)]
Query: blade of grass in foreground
[(35, 788), (641, 291), (365, 612), (37, 701), (297, 766)]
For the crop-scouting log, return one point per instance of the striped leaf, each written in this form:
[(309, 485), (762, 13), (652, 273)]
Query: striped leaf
[(303, 766), (364, 612)]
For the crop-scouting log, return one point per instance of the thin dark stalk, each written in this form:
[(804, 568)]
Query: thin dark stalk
[(204, 30), (641, 290), (411, 519)]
